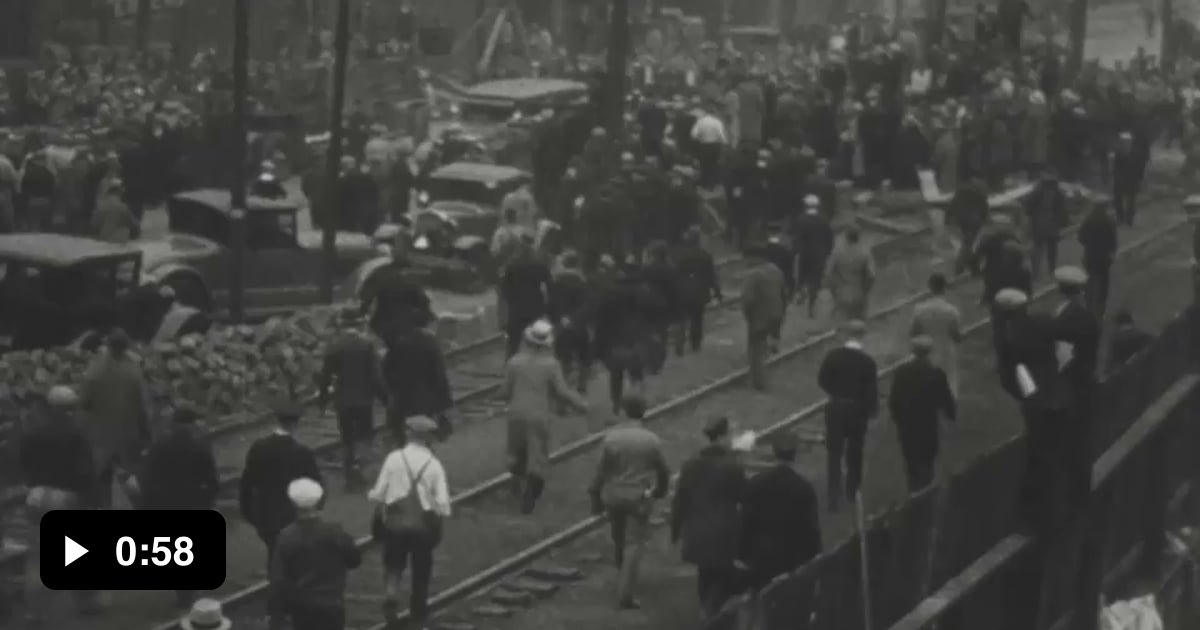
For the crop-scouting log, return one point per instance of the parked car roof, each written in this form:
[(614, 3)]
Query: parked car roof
[(58, 250), (222, 201), (478, 172), (525, 88)]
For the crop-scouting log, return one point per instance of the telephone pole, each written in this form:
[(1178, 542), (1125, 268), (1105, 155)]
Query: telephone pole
[(618, 54), (330, 212), (142, 28), (1078, 28), (237, 184)]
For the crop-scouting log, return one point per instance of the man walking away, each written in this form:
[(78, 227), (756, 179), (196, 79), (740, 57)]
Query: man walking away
[(850, 274), (568, 301), (414, 370), (414, 498), (180, 473), (781, 528), (353, 370), (115, 403), (710, 138), (631, 474), (272, 463), (312, 557), (1098, 236), (698, 284), (850, 378), (812, 236), (941, 320), (1127, 341), (1127, 171), (523, 289), (1046, 209), (705, 516), (57, 467), (920, 396), (764, 302)]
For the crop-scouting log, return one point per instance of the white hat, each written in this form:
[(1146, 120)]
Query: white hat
[(1011, 298), (305, 493), (1070, 276), (812, 201), (62, 396), (540, 333), (206, 614)]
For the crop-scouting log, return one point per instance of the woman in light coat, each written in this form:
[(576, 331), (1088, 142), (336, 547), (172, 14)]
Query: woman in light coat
[(534, 386)]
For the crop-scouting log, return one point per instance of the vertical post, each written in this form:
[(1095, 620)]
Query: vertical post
[(237, 184), (1167, 33), (1090, 577), (1157, 497), (1078, 30), (143, 25), (618, 53), (330, 212)]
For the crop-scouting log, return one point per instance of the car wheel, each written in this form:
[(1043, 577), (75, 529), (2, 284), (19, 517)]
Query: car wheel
[(190, 292)]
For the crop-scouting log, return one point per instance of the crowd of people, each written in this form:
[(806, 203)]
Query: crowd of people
[(768, 137)]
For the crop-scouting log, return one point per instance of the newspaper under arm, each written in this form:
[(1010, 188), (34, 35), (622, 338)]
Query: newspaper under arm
[(1025, 381)]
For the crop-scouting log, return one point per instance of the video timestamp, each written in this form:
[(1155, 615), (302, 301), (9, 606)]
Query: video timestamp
[(133, 550)]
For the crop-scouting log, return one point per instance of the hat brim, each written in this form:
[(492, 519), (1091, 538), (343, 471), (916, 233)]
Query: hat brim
[(541, 342), (187, 624)]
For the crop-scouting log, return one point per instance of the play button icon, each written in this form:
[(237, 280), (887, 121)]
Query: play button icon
[(72, 551)]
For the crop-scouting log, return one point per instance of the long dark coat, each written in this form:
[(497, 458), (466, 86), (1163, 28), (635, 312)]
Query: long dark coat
[(705, 515), (179, 473), (920, 396), (414, 371), (272, 463), (781, 528)]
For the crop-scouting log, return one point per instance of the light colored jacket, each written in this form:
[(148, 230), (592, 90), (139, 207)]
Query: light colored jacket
[(534, 384), (115, 403)]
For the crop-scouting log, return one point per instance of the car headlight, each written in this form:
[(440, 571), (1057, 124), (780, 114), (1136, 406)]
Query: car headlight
[(421, 243), (422, 197)]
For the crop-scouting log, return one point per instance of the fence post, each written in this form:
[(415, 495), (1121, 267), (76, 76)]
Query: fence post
[(1094, 524), (1154, 535)]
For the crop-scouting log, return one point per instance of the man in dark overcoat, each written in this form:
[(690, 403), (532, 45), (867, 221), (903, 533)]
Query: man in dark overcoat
[(1098, 236), (272, 463), (1077, 337), (968, 211), (698, 284), (746, 195), (523, 288), (705, 516), (850, 378), (414, 371), (351, 371), (1127, 171), (1046, 209), (624, 311), (781, 526), (661, 277), (180, 473), (920, 397), (390, 295), (812, 239)]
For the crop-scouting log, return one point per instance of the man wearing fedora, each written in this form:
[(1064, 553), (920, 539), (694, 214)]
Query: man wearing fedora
[(272, 463), (353, 371), (308, 571)]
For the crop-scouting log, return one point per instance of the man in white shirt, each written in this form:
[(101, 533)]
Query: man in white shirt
[(413, 465), (709, 136)]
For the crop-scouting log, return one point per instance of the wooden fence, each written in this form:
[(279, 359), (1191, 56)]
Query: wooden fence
[(948, 557)]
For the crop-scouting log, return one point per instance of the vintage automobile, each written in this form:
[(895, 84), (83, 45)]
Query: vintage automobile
[(57, 289), (283, 263), (458, 209)]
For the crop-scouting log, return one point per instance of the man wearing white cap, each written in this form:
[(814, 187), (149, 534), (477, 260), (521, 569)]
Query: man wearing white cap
[(308, 569), (56, 466)]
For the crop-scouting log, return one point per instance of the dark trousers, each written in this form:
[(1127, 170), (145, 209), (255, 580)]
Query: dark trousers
[(1043, 249), (308, 617), (574, 351), (845, 433), (691, 329), (708, 154), (918, 466), (399, 553), (1125, 203), (715, 585), (811, 272), (1096, 291), (622, 362)]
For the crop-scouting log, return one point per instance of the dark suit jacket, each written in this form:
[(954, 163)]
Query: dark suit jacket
[(781, 529), (920, 394), (705, 514), (1076, 325), (849, 374), (414, 371), (272, 463), (179, 474)]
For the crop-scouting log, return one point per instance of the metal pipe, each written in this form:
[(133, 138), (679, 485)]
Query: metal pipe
[(237, 184), (329, 208)]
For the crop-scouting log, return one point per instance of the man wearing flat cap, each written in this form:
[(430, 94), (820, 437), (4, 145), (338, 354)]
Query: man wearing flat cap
[(764, 304), (308, 569), (850, 378), (272, 463), (781, 528), (353, 371), (705, 515), (920, 397)]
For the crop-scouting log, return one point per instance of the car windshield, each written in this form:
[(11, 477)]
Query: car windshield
[(486, 112), (485, 193)]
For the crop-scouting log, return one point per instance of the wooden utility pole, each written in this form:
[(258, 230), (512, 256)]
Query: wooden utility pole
[(237, 184), (330, 212), (1078, 29), (1167, 34), (618, 54), (143, 25)]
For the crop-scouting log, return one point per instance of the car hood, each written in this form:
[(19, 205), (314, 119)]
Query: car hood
[(348, 243), (174, 248)]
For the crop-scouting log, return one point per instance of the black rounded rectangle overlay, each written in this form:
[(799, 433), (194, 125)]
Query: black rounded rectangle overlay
[(126, 550)]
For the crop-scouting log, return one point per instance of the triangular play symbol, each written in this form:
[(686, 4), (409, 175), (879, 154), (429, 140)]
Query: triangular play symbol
[(72, 552)]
